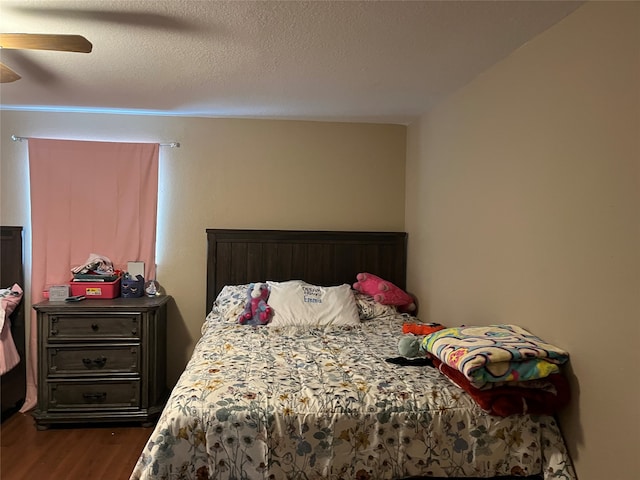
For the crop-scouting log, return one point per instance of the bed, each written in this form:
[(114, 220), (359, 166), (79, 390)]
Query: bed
[(300, 401)]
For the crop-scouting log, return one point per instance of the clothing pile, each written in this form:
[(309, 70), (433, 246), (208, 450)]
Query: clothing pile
[(98, 264), (9, 299)]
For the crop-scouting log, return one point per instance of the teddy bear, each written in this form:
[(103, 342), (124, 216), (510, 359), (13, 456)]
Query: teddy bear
[(410, 346), (256, 310), (384, 292)]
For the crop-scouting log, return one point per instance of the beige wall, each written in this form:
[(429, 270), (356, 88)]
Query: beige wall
[(229, 174), (523, 196)]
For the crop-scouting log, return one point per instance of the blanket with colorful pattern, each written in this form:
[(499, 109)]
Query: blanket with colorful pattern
[(495, 353)]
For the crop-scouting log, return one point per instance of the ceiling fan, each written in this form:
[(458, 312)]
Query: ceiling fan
[(35, 41)]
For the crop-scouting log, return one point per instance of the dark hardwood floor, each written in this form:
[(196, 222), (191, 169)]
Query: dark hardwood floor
[(107, 452), (96, 452)]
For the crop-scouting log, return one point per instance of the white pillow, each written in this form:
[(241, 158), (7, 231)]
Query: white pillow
[(297, 303)]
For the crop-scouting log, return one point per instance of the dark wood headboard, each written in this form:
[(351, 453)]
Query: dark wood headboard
[(326, 258)]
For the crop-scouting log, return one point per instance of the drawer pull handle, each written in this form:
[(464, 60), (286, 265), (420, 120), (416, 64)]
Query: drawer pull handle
[(95, 327), (98, 362), (94, 396)]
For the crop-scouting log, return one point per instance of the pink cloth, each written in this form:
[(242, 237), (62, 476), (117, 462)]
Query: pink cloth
[(9, 356), (88, 197)]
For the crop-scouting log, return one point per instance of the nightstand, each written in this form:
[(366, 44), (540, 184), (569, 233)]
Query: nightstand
[(101, 360)]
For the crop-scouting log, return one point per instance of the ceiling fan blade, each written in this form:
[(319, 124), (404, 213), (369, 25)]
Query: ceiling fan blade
[(7, 75), (36, 41)]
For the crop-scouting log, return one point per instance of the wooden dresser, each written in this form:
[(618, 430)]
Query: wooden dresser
[(101, 360)]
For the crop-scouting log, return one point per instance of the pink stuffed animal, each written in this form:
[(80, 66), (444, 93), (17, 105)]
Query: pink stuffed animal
[(384, 292), (256, 311)]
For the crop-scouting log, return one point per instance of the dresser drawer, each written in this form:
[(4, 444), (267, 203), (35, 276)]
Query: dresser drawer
[(93, 395), (89, 326), (93, 359)]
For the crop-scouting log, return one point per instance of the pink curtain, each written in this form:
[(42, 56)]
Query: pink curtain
[(87, 197)]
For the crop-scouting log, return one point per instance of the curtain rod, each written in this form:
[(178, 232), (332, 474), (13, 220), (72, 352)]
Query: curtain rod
[(16, 138)]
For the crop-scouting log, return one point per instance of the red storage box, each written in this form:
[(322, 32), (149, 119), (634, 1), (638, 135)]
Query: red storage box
[(96, 289)]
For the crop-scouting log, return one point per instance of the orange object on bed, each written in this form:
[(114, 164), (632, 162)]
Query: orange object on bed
[(421, 328)]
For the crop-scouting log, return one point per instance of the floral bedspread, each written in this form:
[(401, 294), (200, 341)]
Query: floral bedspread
[(269, 403)]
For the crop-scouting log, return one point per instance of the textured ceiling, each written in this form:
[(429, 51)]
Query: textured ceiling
[(321, 60)]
